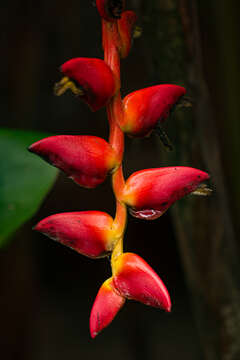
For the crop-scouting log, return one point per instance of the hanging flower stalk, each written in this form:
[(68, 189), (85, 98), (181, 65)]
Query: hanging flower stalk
[(89, 159)]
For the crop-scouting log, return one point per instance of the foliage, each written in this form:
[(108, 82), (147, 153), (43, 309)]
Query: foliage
[(24, 180)]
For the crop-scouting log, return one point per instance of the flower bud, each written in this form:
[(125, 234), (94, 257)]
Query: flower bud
[(106, 306), (144, 108), (87, 232), (85, 159), (136, 280), (110, 10), (91, 79), (149, 193), (126, 28)]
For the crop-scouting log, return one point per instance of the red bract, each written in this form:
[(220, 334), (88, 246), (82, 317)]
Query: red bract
[(110, 10), (86, 159), (135, 279), (151, 192), (87, 232), (106, 305), (144, 108), (125, 28), (93, 76)]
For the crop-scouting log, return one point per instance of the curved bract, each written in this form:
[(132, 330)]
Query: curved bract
[(85, 159), (94, 77), (133, 279), (125, 28), (106, 306), (110, 10), (144, 108), (151, 192), (87, 232), (136, 280)]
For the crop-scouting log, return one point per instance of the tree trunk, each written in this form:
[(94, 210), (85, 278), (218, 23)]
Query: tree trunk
[(205, 228)]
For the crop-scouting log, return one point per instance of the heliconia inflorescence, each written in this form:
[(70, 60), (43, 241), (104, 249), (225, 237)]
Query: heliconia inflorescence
[(89, 159)]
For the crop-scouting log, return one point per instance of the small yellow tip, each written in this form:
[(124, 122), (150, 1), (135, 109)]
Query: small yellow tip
[(137, 32), (62, 86), (202, 190), (185, 102)]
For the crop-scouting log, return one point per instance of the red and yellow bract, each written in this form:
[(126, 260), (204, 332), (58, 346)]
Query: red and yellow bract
[(95, 79), (144, 108), (85, 159), (87, 232), (136, 280), (151, 192)]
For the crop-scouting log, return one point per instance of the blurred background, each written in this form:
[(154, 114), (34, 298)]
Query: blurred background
[(47, 290)]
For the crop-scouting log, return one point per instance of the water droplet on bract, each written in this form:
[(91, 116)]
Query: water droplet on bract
[(147, 214)]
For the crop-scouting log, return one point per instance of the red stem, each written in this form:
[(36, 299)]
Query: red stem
[(116, 136)]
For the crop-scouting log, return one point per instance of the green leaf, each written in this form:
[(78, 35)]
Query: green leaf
[(25, 180)]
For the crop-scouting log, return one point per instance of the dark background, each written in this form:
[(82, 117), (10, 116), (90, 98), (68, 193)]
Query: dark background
[(47, 290)]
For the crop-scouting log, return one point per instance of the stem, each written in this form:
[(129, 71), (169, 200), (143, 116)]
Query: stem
[(120, 220), (118, 183), (116, 136), (111, 54), (117, 251)]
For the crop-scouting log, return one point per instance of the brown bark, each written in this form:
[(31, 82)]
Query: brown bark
[(204, 227)]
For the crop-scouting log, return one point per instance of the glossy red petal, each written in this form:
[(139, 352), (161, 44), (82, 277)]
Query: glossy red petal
[(94, 76), (86, 159), (144, 108), (106, 306), (125, 28), (135, 279), (151, 192), (87, 232), (110, 10)]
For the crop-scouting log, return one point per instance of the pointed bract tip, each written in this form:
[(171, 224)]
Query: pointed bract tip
[(30, 148), (107, 304), (169, 308)]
